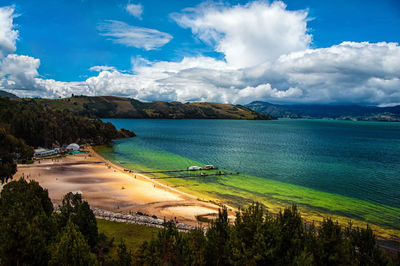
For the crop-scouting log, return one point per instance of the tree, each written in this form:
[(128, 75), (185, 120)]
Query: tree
[(289, 235), (79, 212), (218, 251), (124, 256), (195, 248), (72, 248), (11, 150), (166, 249), (27, 225), (250, 237), (333, 248), (365, 249)]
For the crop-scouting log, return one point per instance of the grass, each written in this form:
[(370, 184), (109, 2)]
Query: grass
[(133, 234)]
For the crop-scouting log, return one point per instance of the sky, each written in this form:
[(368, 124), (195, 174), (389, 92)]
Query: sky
[(301, 52)]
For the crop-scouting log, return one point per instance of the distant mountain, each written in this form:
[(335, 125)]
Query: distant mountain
[(7, 94), (119, 107), (340, 112)]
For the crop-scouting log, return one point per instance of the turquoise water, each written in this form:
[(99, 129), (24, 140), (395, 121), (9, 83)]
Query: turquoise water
[(356, 160)]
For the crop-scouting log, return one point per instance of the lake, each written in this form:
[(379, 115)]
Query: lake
[(345, 168)]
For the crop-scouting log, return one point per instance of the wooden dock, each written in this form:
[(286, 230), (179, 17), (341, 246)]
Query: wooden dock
[(172, 171), (197, 175)]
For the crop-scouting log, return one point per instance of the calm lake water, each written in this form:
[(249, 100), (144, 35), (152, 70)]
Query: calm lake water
[(359, 160)]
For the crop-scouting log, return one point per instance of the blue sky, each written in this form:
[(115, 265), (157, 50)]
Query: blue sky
[(71, 37)]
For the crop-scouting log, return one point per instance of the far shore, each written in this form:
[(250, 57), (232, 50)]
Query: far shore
[(107, 186)]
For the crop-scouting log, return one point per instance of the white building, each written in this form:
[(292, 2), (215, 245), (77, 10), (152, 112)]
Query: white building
[(41, 152), (194, 168), (72, 147)]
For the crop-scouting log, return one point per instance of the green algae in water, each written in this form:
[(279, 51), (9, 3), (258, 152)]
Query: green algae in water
[(243, 189), (347, 170)]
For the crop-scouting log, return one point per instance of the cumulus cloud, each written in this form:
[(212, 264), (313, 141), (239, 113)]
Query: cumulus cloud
[(347, 73), (18, 72), (248, 34), (135, 10), (122, 33), (350, 72), (8, 35)]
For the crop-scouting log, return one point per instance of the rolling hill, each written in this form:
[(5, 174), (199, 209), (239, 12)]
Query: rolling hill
[(7, 94), (119, 107)]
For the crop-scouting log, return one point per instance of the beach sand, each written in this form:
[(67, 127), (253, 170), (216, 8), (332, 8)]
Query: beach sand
[(107, 186)]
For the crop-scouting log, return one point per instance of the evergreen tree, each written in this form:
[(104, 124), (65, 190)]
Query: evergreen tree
[(12, 149), (289, 236), (250, 237), (124, 256), (218, 251), (79, 212), (195, 248), (72, 248), (27, 226), (365, 249), (333, 248), (166, 249)]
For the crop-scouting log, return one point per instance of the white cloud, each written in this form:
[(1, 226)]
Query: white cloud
[(248, 34), (102, 68), (135, 10), (138, 62), (122, 33), (18, 72), (350, 72), (366, 73), (8, 35)]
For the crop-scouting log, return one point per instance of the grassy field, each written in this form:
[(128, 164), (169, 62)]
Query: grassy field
[(133, 234)]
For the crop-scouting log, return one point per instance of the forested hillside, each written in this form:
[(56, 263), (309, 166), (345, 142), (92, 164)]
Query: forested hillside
[(26, 123)]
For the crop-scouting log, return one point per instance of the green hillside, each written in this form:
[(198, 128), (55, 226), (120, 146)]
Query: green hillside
[(118, 107)]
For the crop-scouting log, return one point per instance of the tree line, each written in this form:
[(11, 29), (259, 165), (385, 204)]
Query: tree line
[(25, 123), (259, 238), (31, 233)]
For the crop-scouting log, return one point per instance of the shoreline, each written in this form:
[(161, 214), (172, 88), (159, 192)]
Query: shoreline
[(105, 185), (274, 205), (149, 196)]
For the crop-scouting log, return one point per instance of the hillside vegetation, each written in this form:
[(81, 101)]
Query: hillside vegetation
[(118, 107), (340, 112), (25, 123)]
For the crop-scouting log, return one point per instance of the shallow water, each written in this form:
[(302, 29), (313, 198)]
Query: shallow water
[(342, 167)]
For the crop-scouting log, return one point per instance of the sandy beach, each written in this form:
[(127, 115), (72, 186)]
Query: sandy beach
[(107, 186)]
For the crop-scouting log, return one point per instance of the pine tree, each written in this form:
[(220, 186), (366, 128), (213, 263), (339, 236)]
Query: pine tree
[(79, 212), (27, 226), (124, 256), (72, 248)]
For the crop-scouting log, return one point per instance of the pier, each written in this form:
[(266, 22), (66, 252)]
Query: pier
[(172, 171), (198, 175)]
